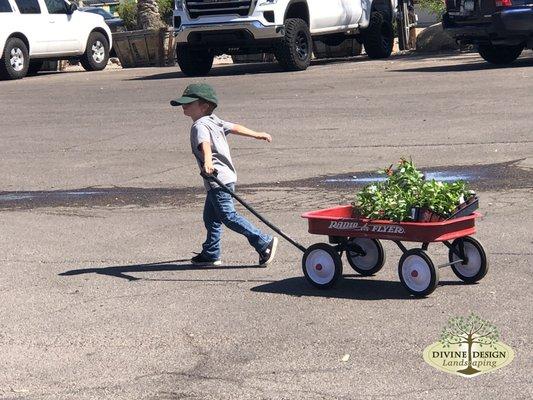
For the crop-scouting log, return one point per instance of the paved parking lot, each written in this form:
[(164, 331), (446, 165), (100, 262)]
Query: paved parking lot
[(100, 302)]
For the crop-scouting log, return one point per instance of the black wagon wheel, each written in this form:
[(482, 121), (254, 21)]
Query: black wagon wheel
[(476, 266), (322, 265), (365, 256), (418, 273)]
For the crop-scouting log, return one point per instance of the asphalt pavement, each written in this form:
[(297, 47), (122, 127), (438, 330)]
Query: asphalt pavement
[(99, 300)]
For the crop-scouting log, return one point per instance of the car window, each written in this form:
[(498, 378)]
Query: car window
[(28, 6), (5, 6), (56, 6), (101, 12)]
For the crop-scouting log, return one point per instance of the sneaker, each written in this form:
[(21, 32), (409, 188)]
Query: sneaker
[(200, 259), (267, 256)]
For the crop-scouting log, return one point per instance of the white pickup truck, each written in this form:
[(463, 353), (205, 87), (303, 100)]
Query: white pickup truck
[(32, 31), (287, 28)]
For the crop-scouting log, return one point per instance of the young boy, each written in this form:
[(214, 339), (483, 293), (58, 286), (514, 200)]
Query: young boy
[(210, 147)]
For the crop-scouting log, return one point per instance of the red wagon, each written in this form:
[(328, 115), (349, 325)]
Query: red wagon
[(360, 239)]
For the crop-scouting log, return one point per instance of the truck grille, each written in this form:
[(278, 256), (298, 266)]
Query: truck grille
[(201, 8)]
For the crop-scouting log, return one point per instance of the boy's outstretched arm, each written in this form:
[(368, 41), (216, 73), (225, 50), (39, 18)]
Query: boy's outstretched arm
[(244, 131)]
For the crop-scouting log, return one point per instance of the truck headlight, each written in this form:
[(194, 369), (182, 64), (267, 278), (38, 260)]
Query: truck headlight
[(267, 2), (178, 5)]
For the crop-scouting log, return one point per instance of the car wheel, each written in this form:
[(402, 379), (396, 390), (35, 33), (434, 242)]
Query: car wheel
[(378, 38), (194, 62), (500, 54), (15, 59), (295, 48), (96, 54), (35, 67)]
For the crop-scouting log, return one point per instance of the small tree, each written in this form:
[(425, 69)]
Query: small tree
[(166, 8), (470, 330), (127, 10)]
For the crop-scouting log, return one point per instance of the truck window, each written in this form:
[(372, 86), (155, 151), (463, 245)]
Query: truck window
[(56, 6), (28, 6), (5, 6)]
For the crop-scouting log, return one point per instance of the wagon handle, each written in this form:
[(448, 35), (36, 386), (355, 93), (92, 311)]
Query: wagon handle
[(213, 177)]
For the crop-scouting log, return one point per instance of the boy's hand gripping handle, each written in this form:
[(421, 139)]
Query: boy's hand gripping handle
[(210, 177)]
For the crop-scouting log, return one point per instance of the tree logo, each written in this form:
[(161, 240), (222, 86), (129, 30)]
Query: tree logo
[(468, 346)]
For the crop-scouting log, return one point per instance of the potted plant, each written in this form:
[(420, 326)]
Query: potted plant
[(406, 195), (149, 42)]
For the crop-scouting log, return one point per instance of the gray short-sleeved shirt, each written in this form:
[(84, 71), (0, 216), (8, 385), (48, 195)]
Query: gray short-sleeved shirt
[(213, 130)]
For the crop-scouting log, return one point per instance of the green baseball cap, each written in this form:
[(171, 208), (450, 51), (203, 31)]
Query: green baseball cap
[(195, 92)]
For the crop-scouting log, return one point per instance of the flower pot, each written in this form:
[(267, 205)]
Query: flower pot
[(472, 204), (424, 214), (145, 48)]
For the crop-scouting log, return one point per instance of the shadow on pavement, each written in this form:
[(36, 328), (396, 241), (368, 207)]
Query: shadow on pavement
[(247, 69), (122, 271), (473, 66), (221, 70), (359, 288), (356, 289), (273, 67)]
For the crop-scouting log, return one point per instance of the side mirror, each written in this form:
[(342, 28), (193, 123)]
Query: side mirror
[(71, 7)]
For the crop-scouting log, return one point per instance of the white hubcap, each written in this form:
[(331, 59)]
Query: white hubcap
[(370, 259), (416, 273), (98, 50), (320, 266), (16, 59), (473, 266)]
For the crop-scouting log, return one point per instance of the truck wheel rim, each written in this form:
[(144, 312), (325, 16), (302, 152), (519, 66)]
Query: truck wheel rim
[(302, 46), (16, 59), (370, 259), (416, 273), (98, 51), (473, 266), (320, 267)]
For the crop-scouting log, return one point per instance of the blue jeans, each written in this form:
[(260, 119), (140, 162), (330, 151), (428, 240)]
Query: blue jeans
[(218, 210)]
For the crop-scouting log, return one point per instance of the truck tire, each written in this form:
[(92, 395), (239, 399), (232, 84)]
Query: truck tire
[(194, 62), (35, 67), (96, 53), (294, 50), (500, 54), (378, 38), (15, 60)]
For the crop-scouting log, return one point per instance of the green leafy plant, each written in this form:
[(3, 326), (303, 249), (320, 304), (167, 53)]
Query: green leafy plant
[(406, 188), (435, 7), (127, 10), (166, 8)]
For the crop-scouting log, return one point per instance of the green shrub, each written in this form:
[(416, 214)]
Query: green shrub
[(127, 10), (166, 7), (435, 7)]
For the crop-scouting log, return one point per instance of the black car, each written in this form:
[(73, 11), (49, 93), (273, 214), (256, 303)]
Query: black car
[(114, 23), (500, 29)]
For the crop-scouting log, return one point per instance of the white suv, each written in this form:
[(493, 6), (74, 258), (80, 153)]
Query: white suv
[(32, 31)]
